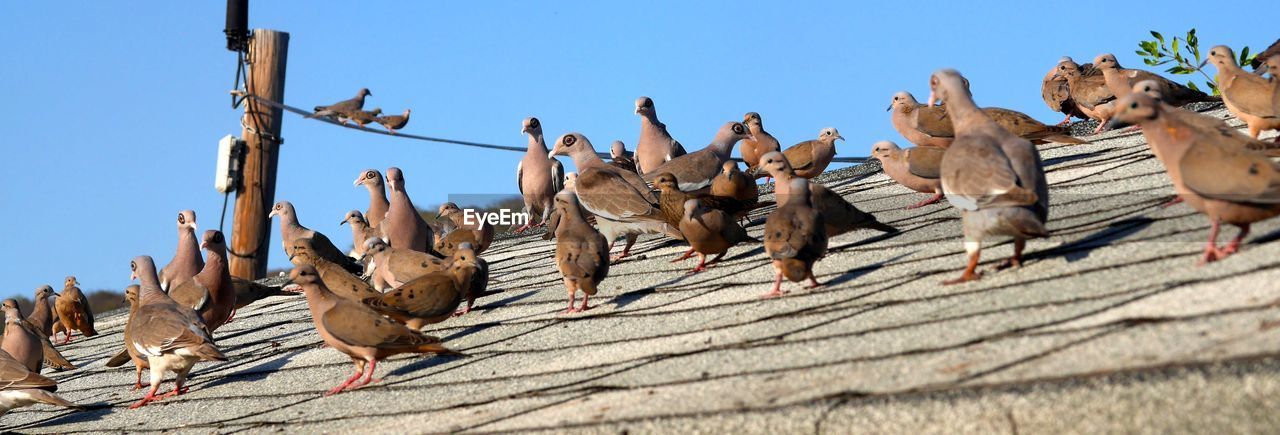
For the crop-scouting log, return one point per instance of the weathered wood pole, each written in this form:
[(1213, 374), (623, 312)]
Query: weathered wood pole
[(251, 233)]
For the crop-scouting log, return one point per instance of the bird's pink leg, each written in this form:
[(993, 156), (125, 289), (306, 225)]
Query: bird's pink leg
[(1234, 246), (777, 287), (1172, 202), (343, 386), (970, 271), (150, 397), (702, 264), (684, 256), (813, 281), (1016, 259), (524, 228), (1211, 251), (1066, 120), (584, 306), (572, 297), (626, 250), (466, 309), (137, 385), (230, 316), (68, 336), (935, 198), (717, 258), (368, 377)]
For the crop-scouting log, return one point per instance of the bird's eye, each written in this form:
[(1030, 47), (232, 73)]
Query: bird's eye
[(569, 140), (737, 128), (533, 123), (370, 174), (133, 265), (1133, 105), (182, 219)]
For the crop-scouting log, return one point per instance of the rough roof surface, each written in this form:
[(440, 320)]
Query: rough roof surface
[(1110, 326)]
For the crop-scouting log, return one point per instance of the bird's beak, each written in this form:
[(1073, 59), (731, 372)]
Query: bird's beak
[(932, 98), (840, 137), (344, 222), (438, 215), (889, 108), (524, 131), (57, 294), (272, 214), (292, 288), (1116, 123), (204, 245), (358, 181), (637, 110)]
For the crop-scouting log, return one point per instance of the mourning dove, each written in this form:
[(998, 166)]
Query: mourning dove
[(73, 310), (42, 312), (342, 108), (430, 298), (671, 201), (794, 236), (582, 253), (1213, 171), (1259, 61), (709, 231), (171, 337), (994, 177), (1120, 81), (362, 117), (360, 231), (760, 143), (291, 229), (905, 167), (1057, 95), (1202, 123), (394, 122), (131, 353), (302, 253), (839, 215), (732, 184), (19, 387), (210, 293), (932, 126), (470, 229), (621, 201), (371, 179), (537, 176), (1253, 99), (810, 158), (186, 261), (621, 158), (404, 227), (655, 146), (387, 268), (1088, 89), (26, 344), (356, 330), (696, 170)]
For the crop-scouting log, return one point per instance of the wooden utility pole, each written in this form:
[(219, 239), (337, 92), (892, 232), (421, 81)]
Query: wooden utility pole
[(251, 233)]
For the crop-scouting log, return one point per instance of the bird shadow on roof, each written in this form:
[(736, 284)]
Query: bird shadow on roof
[(857, 272), (506, 301), (470, 330), (1080, 249), (1268, 237), (1073, 157), (93, 411), (257, 372)]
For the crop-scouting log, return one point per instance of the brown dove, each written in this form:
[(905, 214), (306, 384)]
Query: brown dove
[(810, 158), (186, 261), (362, 117), (210, 294), (760, 143), (1120, 81), (709, 231), (1088, 90), (537, 176), (356, 330), (27, 345), (302, 253), (621, 158), (387, 268), (1259, 61), (655, 146), (994, 177), (342, 108), (404, 227), (291, 230), (732, 184), (393, 122), (929, 125), (1057, 95), (130, 353), (622, 203), (582, 253), (430, 298), (1213, 170), (42, 312), (696, 170), (73, 310), (794, 235), (360, 231), (839, 215), (371, 179), (1253, 99), (170, 336), (20, 386), (469, 229), (918, 169)]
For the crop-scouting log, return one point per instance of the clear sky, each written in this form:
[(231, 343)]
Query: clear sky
[(114, 108)]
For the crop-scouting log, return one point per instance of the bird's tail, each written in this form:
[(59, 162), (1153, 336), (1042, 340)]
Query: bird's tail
[(882, 227), (119, 359), (1063, 138), (437, 348), (53, 358), (43, 396), (208, 352)]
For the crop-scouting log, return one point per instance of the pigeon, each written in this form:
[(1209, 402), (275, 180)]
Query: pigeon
[(302, 252), (170, 336), (131, 353), (582, 253), (430, 298), (709, 231), (1057, 95), (362, 117), (73, 311), (394, 122), (794, 236), (360, 231), (695, 170), (291, 230), (26, 344), (655, 146), (210, 293), (918, 169), (342, 108), (356, 330), (1088, 90), (621, 201), (404, 227), (932, 126), (760, 143), (731, 184), (371, 179), (1120, 81), (839, 215), (20, 386), (810, 158), (995, 178), (186, 261), (621, 158), (538, 177), (1253, 99), (470, 229), (42, 313), (389, 268), (1212, 168)]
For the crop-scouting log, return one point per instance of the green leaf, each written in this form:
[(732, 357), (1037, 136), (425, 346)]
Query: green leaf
[(1158, 36), (1192, 85), (1175, 48), (1244, 56), (1175, 70)]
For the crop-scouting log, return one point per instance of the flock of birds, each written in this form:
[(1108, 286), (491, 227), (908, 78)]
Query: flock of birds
[(405, 273)]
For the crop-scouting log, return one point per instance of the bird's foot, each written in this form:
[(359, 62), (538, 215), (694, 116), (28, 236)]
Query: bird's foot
[(698, 269), (137, 386), (335, 390), (772, 294), (1066, 120), (523, 228), (145, 400), (615, 259), (964, 278), (1132, 129), (1172, 202), (176, 392), (813, 283), (927, 201), (1212, 254), (1008, 263), (462, 311), (1098, 130)]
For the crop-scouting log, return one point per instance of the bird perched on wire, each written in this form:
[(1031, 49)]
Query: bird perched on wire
[(394, 122), (362, 117), (344, 108)]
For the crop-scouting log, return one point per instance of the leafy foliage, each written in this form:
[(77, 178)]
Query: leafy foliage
[(1184, 53)]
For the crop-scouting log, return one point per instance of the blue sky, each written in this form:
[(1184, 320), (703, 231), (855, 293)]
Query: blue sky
[(114, 109)]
